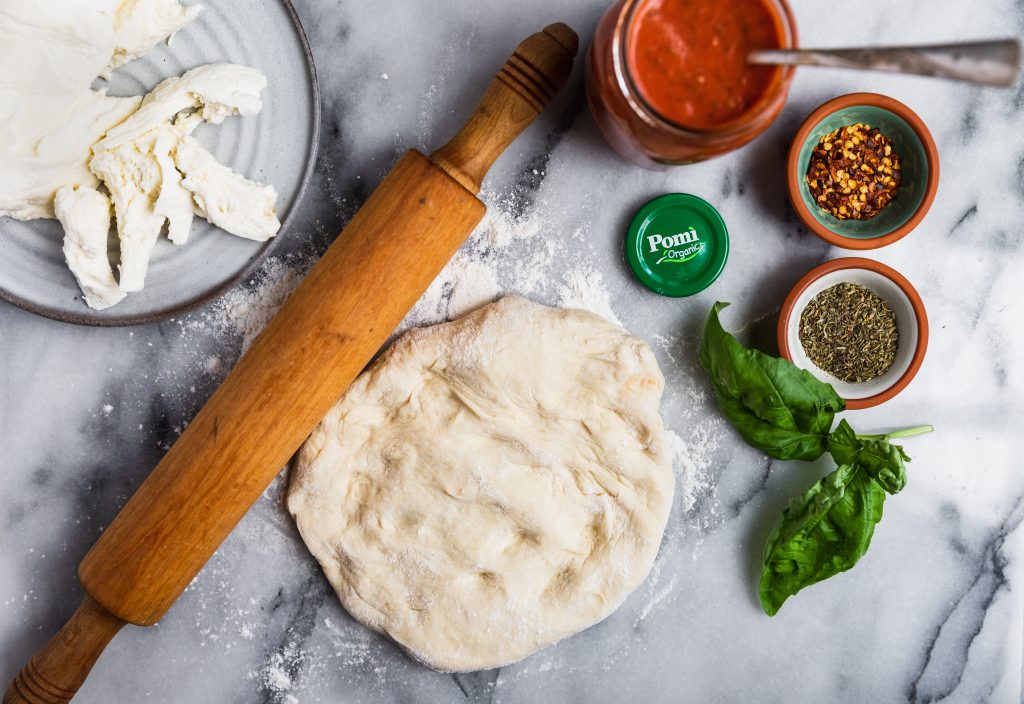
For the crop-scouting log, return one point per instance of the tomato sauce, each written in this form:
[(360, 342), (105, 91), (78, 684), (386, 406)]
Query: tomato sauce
[(688, 58)]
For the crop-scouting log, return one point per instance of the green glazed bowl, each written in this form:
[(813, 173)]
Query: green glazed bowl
[(920, 172)]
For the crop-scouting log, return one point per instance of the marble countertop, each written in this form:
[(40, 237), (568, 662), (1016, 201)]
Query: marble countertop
[(932, 613)]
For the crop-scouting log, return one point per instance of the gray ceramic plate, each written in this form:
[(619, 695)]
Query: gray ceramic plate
[(276, 146)]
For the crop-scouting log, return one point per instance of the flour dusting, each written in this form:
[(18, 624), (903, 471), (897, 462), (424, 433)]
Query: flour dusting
[(509, 254), (478, 274), (276, 675), (247, 309), (473, 284), (584, 288), (500, 228)]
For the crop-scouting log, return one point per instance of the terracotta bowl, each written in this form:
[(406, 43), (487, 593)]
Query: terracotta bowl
[(887, 283), (919, 173)]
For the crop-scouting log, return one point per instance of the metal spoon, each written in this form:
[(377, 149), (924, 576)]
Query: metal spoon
[(993, 63)]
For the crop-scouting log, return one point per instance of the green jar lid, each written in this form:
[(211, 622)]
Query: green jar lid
[(677, 244)]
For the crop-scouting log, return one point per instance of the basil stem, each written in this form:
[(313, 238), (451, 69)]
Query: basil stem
[(904, 433)]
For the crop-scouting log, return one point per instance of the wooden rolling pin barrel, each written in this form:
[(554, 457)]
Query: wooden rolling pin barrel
[(309, 354)]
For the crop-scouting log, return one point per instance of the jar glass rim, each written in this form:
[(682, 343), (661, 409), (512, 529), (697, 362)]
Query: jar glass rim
[(647, 112)]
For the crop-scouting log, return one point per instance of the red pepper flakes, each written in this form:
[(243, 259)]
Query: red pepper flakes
[(854, 172)]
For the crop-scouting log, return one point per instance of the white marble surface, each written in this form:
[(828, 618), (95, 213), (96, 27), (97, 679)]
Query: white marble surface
[(932, 613)]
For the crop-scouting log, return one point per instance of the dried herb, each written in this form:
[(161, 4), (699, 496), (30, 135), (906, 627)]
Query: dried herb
[(854, 172), (850, 332)]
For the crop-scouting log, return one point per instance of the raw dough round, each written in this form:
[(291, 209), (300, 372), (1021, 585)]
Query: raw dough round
[(491, 485)]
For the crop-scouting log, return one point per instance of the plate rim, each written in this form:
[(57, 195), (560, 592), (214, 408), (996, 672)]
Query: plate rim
[(257, 261)]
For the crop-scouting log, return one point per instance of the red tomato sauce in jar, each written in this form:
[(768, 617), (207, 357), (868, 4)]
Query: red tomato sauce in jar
[(688, 58)]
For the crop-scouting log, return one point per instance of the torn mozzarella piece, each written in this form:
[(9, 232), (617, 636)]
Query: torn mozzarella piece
[(215, 90), (140, 158), (35, 167), (85, 215), (146, 189), (227, 199), (175, 201), (131, 173), (142, 24)]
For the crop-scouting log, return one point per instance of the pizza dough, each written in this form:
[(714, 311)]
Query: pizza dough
[(491, 485)]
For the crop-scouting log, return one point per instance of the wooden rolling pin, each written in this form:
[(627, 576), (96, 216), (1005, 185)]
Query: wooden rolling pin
[(309, 354)]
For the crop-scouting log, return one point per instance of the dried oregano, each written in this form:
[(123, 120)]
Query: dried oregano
[(850, 332)]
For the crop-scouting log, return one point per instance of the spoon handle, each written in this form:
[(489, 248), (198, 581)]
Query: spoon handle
[(993, 63)]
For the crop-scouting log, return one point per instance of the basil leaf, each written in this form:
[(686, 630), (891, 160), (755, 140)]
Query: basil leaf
[(777, 407), (883, 461), (843, 444), (822, 533)]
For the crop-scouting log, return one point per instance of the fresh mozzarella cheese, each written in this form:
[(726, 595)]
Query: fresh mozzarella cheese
[(132, 175), (138, 161), (228, 200), (142, 24), (52, 51), (175, 201), (57, 134), (215, 91), (85, 215), (36, 163)]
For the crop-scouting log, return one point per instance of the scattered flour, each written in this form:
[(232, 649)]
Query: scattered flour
[(691, 477), (247, 309), (500, 228), (276, 679), (512, 254), (474, 276), (473, 285), (276, 676), (477, 275), (584, 288), (656, 599)]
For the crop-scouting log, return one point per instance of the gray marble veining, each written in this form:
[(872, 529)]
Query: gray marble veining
[(934, 612)]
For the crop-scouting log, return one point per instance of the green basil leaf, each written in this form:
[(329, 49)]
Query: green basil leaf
[(843, 444), (883, 461), (822, 533), (777, 407)]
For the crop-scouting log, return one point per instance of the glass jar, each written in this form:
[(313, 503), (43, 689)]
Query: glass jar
[(637, 131)]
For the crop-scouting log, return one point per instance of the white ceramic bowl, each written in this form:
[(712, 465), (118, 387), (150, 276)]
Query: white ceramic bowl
[(887, 283)]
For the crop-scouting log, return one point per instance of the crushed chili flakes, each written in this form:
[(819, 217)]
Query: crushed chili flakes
[(854, 172)]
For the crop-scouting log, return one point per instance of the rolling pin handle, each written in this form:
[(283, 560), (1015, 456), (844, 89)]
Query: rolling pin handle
[(529, 80), (55, 673)]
